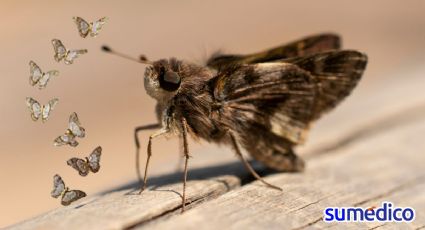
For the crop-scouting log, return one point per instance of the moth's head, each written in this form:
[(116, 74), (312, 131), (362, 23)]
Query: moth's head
[(163, 78)]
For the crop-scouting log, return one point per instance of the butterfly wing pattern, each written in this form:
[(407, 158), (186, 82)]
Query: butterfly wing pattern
[(80, 165), (83, 26), (91, 163), (74, 130), (38, 77), (61, 53), (72, 195), (37, 110), (93, 28), (68, 196), (34, 107), (58, 186), (94, 159)]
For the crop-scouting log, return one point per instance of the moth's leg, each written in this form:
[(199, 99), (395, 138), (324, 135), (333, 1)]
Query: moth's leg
[(156, 134), (247, 165), (137, 142), (186, 155), (181, 153)]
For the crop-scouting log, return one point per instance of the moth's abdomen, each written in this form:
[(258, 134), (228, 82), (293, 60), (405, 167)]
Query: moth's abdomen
[(273, 151)]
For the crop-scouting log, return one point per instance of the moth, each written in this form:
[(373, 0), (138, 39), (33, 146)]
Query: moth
[(74, 130), (91, 163), (67, 196), (92, 28), (61, 53), (37, 110), (40, 78), (264, 102)]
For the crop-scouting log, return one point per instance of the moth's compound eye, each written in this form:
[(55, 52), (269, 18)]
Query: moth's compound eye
[(169, 80)]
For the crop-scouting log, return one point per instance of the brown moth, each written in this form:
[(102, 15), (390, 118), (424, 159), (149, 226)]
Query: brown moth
[(263, 102)]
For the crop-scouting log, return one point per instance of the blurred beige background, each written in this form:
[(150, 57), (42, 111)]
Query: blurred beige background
[(107, 92)]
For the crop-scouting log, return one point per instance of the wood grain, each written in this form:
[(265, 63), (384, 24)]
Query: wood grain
[(125, 208), (370, 150), (377, 167)]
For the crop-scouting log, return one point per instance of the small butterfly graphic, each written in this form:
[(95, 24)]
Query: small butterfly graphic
[(37, 110), (38, 77), (61, 53), (74, 130), (91, 163), (92, 28), (68, 196)]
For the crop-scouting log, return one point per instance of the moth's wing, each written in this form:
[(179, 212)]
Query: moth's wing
[(72, 55), (270, 106), (42, 82), (58, 186), (60, 50), (35, 73), (71, 196), (65, 139), (336, 74), (285, 97), (82, 26), (267, 106), (48, 108), (96, 26), (94, 159), (277, 97), (305, 46), (34, 107), (80, 165), (75, 125)]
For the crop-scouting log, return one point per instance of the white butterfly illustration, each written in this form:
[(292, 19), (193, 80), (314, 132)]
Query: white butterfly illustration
[(74, 130), (40, 78), (61, 53), (37, 110), (92, 28)]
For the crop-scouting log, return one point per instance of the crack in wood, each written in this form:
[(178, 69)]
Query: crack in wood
[(309, 204), (175, 211)]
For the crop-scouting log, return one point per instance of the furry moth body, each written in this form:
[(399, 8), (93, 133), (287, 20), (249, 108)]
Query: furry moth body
[(262, 102)]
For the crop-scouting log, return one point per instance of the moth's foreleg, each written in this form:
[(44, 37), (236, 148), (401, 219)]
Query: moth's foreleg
[(149, 152), (181, 153), (136, 140), (186, 155), (246, 163)]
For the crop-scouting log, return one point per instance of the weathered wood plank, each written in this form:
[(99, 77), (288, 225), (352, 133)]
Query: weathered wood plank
[(353, 174), (125, 208), (367, 150)]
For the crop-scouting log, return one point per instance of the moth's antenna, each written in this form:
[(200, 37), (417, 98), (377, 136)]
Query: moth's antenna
[(142, 59)]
